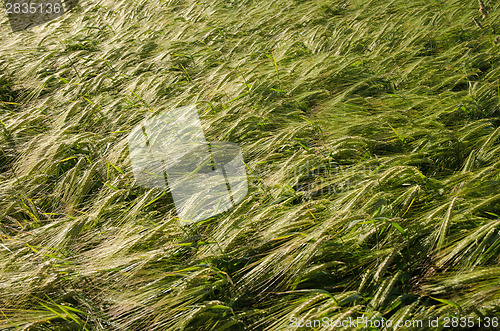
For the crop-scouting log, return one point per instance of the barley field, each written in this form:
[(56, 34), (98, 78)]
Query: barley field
[(371, 135)]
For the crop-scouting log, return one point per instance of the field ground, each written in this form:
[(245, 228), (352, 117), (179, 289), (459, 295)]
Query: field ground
[(371, 134)]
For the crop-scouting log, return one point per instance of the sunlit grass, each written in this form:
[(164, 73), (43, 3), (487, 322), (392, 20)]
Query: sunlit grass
[(371, 134)]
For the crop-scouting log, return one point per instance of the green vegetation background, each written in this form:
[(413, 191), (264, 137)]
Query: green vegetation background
[(371, 134)]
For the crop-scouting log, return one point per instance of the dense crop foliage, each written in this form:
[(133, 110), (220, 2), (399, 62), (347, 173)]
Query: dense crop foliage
[(371, 134)]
